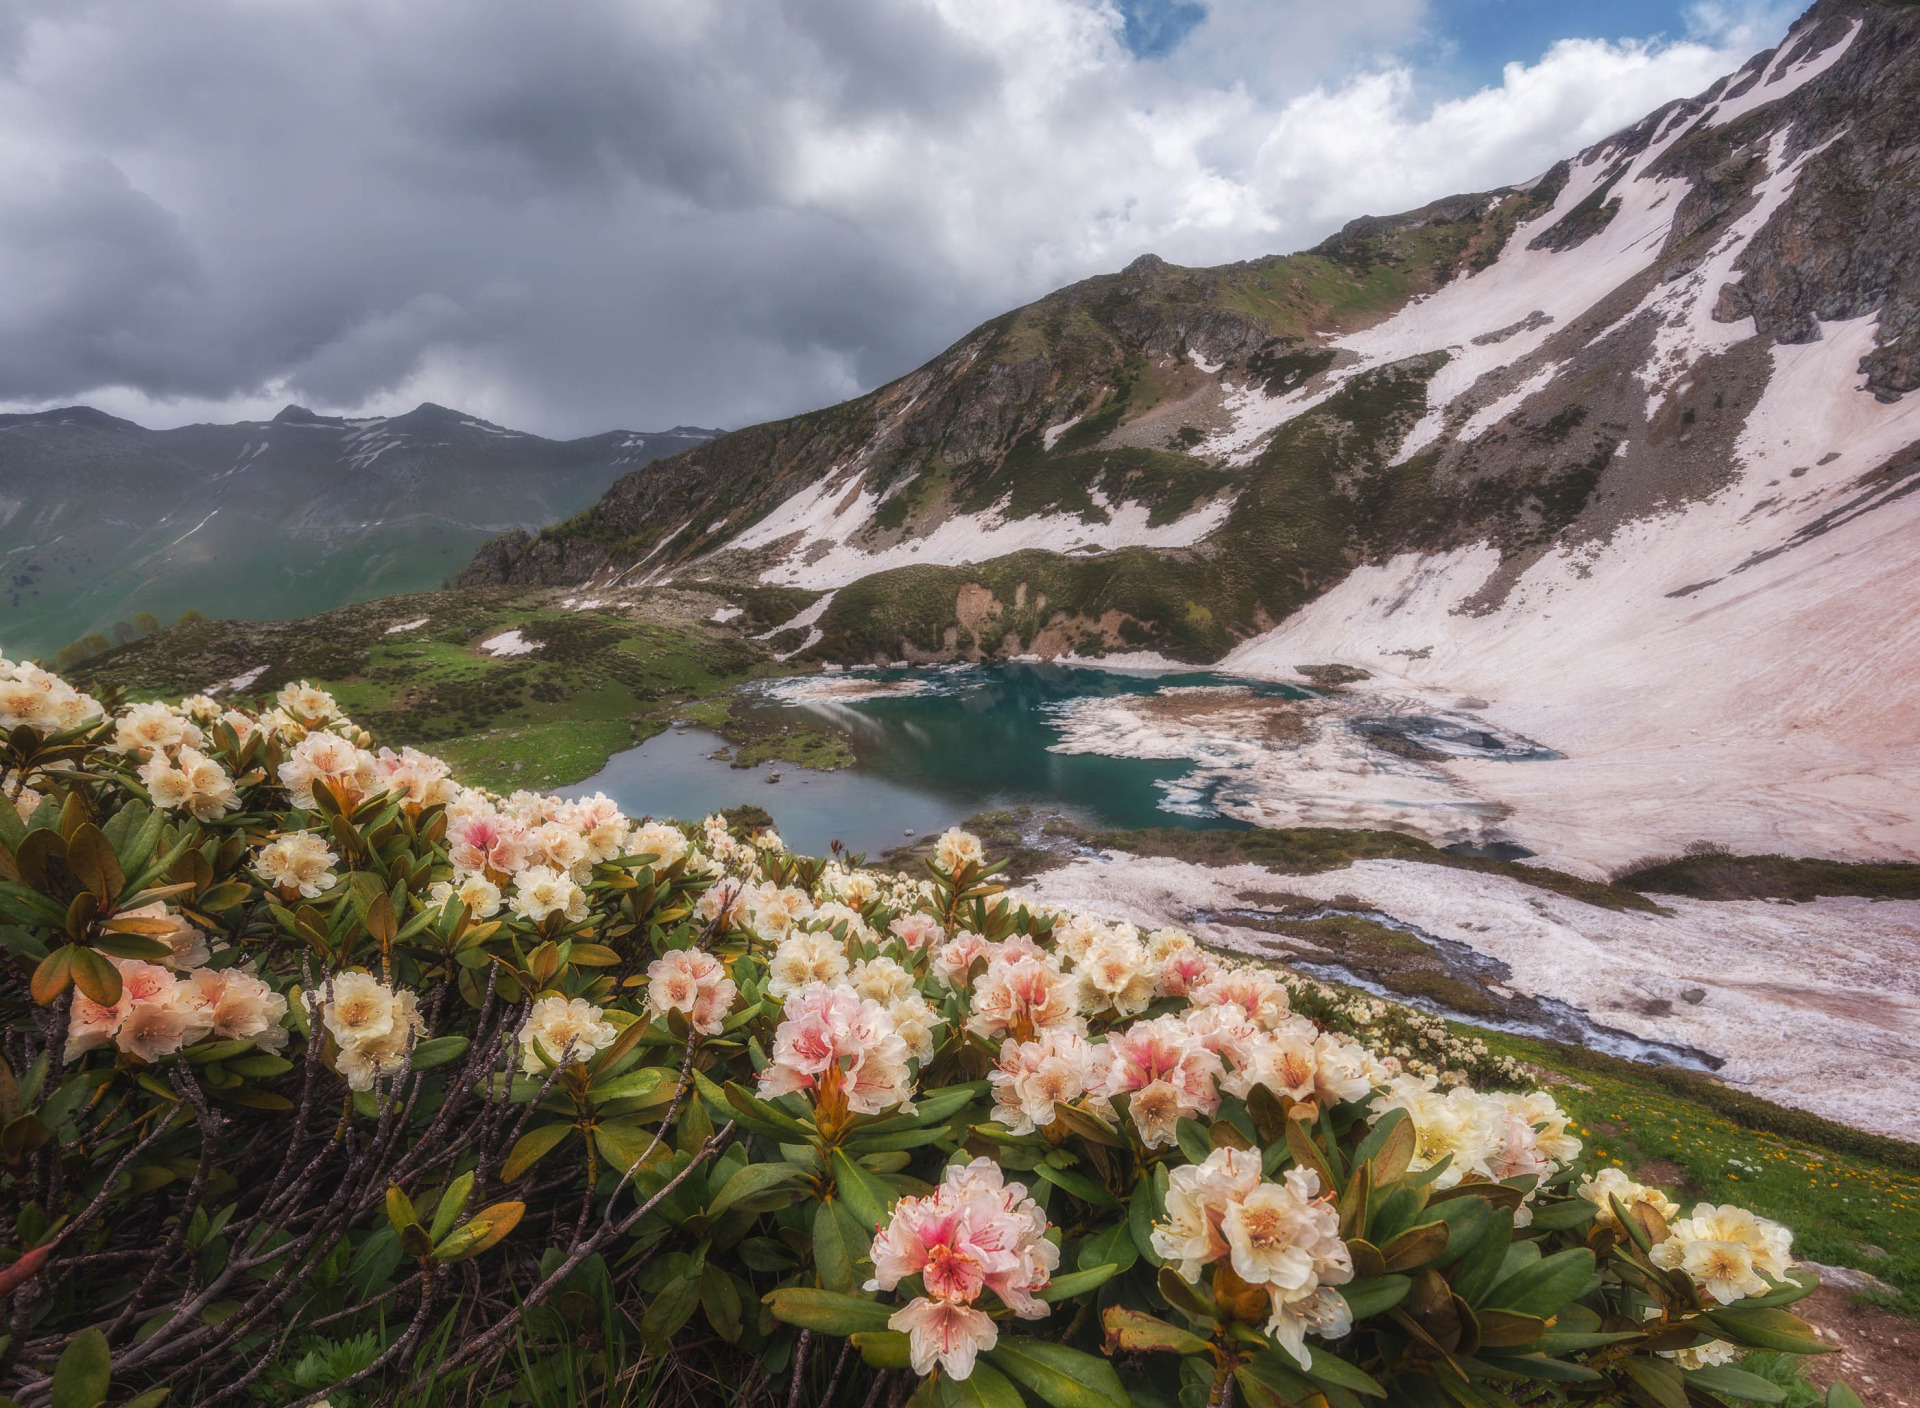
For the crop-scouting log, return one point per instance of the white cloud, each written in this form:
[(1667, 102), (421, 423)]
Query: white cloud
[(641, 212)]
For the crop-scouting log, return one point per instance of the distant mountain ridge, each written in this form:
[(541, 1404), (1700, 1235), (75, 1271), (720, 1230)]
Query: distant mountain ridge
[(101, 518)]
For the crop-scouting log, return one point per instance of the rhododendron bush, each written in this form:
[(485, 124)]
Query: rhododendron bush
[(302, 1032)]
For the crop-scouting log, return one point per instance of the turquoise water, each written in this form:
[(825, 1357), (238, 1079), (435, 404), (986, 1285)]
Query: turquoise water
[(968, 741)]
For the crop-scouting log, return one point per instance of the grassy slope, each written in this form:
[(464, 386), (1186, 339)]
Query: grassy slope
[(599, 682)]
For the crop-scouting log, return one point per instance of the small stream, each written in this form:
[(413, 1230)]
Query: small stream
[(1527, 1015)]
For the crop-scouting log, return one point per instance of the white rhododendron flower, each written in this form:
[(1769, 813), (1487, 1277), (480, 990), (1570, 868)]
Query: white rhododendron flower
[(330, 761), (31, 697), (1023, 996), (917, 930), (777, 909), (314, 707), (956, 848), (418, 779), (1456, 1125), (973, 1234), (1728, 1251), (665, 844), (1283, 1236), (189, 782), (299, 863), (143, 730), (372, 1025), (479, 894), (1031, 1077), (1117, 975), (485, 843), (540, 891), (692, 981), (1609, 1183), (803, 960), (564, 1030)]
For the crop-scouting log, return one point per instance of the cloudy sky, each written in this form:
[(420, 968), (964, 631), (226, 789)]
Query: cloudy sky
[(575, 216)]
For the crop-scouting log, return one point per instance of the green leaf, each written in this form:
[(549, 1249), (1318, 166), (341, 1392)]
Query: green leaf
[(1077, 1283), (839, 1245), (1328, 1368), (884, 1349), (862, 1191), (1193, 1140), (1562, 1217), (1479, 1268), (1375, 1295), (1110, 1245), (1840, 1396), (1658, 1379), (985, 1387), (1541, 1366), (452, 1203), (91, 859), (1149, 1199), (720, 1298), (1767, 1329), (532, 1147), (1059, 1377), (759, 1188), (669, 1309), (438, 1052), (1082, 1187), (1134, 1331), (84, 1374), (1417, 1246), (827, 1312), (1730, 1382), (1542, 1288)]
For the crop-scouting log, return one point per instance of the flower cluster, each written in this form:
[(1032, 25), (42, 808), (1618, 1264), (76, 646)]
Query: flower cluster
[(372, 1025), (975, 1233), (561, 1030), (1491, 1136), (1283, 1237), (828, 1031), (161, 1011)]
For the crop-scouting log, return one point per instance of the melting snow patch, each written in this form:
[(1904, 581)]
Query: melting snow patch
[(408, 626), (240, 682), (805, 618), (509, 643), (1054, 432), (727, 613), (1782, 81)]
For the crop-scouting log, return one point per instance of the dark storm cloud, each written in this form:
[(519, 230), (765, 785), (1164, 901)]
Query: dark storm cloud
[(604, 212)]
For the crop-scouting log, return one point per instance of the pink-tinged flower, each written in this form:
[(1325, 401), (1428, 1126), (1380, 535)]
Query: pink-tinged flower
[(144, 982), (1198, 1196), (1165, 1071), (1186, 970), (237, 1006), (974, 1233), (327, 759), (417, 779), (1253, 990), (90, 1025), (954, 958), (692, 981), (825, 1028), (943, 1333), (1022, 998), (494, 846), (1031, 1077), (917, 930)]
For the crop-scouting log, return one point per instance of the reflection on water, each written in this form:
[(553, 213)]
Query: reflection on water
[(935, 746)]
